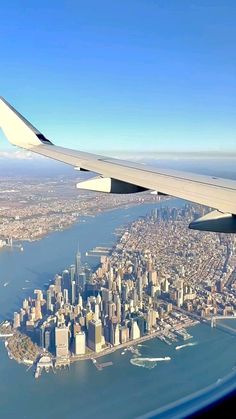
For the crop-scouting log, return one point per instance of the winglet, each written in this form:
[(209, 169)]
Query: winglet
[(17, 129)]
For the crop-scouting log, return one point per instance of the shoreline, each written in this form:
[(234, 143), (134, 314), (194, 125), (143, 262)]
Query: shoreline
[(126, 344), (77, 221), (95, 355)]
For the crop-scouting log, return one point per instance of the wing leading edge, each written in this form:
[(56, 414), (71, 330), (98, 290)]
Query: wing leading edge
[(120, 176)]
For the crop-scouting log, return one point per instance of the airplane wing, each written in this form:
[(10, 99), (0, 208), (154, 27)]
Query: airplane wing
[(121, 176)]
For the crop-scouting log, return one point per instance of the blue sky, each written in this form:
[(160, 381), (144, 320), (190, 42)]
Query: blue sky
[(104, 75)]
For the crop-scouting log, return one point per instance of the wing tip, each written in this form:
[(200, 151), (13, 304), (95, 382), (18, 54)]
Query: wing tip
[(18, 129)]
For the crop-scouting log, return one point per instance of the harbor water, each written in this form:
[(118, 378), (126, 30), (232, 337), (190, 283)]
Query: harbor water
[(129, 387)]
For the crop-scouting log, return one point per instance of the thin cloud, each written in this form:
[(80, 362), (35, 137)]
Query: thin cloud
[(19, 155)]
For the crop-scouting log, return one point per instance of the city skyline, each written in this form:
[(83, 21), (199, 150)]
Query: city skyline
[(136, 293)]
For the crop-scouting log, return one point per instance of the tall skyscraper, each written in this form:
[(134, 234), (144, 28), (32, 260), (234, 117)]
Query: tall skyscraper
[(16, 321), (165, 285), (95, 335), (82, 280), (72, 272), (66, 296), (139, 285), (38, 314), (49, 300), (135, 331), (57, 282), (77, 264), (118, 309), (62, 341), (47, 339), (80, 343), (96, 312), (152, 277), (116, 335), (65, 282)]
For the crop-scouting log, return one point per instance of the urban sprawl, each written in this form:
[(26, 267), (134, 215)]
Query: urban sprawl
[(159, 279)]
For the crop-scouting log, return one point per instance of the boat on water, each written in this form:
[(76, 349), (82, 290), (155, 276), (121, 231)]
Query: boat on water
[(165, 358), (6, 284), (185, 345)]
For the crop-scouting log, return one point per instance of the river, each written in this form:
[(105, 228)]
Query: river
[(124, 390)]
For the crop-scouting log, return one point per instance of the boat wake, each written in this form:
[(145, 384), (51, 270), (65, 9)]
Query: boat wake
[(148, 363), (185, 345)]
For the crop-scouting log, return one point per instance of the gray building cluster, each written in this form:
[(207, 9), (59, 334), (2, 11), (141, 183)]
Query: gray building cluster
[(152, 267)]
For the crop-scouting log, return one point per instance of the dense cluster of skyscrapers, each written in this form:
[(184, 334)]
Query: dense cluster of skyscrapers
[(130, 293), (82, 311)]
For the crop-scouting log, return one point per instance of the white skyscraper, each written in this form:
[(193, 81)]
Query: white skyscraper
[(96, 312), (135, 331), (62, 341), (80, 343), (117, 335)]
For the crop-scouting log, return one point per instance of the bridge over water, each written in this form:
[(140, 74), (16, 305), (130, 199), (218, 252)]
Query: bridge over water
[(215, 318)]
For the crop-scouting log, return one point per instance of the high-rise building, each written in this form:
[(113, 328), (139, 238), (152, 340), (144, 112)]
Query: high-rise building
[(141, 324), (96, 312), (180, 297), (95, 335), (116, 335), (47, 339), (39, 294), (38, 314), (111, 309), (22, 315), (41, 337), (16, 321), (80, 343), (78, 264), (73, 292), (82, 281), (65, 282), (124, 334), (66, 296), (135, 331), (57, 283), (106, 295), (124, 292), (139, 285), (72, 272), (25, 304), (49, 300), (118, 283), (151, 319), (62, 341), (165, 285), (110, 278), (118, 309), (152, 277)]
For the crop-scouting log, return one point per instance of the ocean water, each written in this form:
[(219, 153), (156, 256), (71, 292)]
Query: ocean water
[(126, 389)]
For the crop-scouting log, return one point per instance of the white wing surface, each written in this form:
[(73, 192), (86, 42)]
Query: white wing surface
[(120, 176)]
